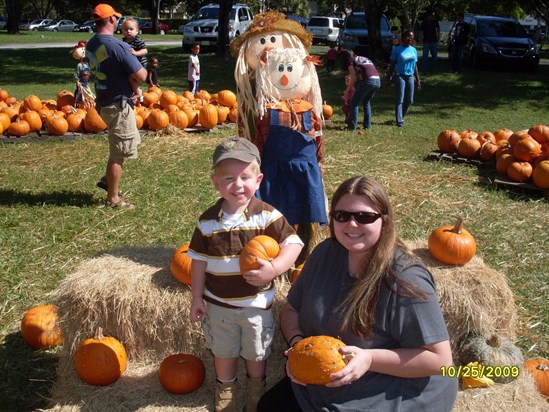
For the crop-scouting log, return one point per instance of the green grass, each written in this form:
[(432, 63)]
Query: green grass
[(26, 36), (51, 217)]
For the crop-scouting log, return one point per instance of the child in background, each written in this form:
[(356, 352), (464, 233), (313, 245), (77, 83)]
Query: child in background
[(331, 58), (193, 73), (152, 75), (347, 95), (130, 31), (237, 319)]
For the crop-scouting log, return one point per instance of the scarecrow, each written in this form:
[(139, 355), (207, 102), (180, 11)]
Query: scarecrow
[(288, 133), (84, 97), (267, 30)]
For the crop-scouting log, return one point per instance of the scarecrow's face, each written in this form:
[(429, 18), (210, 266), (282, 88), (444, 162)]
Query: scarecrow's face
[(259, 42), (287, 73), (79, 53)]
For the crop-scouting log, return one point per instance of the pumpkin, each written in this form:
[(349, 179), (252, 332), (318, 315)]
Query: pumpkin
[(180, 264), (150, 98), (139, 121), (100, 360), (468, 382), (188, 95), (540, 133), (468, 133), (488, 151), (492, 351), (226, 98), (56, 125), (261, 246), (502, 135), (171, 108), (1, 128), (448, 141), (75, 122), (540, 175), (167, 98), (11, 111), (3, 95), (504, 147), (33, 119), (203, 94), (155, 89), (32, 102), (453, 245), (64, 97), (503, 162), (313, 359), (207, 116), (469, 146), (39, 327), (296, 272), (519, 171), (233, 114), (539, 369), (486, 136), (5, 120), (516, 136), (327, 110), (181, 373), (222, 114), (19, 128), (158, 119), (526, 149), (93, 123)]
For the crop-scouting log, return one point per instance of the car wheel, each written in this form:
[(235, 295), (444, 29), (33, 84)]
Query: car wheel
[(162, 31), (90, 30), (55, 30), (35, 29)]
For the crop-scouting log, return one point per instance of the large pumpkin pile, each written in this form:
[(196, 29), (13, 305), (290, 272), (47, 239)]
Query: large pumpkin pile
[(522, 156), (157, 110)]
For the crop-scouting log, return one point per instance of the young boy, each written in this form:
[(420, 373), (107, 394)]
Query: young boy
[(193, 73), (130, 31), (152, 75), (237, 319), (347, 96), (331, 57)]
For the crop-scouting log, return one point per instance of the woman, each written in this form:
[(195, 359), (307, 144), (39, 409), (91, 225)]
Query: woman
[(366, 82), (403, 69), (384, 308)]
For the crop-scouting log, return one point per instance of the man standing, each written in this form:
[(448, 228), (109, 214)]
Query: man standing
[(117, 77), (462, 33), (431, 36)]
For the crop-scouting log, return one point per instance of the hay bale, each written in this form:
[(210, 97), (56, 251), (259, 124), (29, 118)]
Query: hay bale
[(473, 297)]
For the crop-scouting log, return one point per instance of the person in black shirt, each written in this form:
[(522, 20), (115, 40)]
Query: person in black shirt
[(152, 75), (460, 40), (430, 30)]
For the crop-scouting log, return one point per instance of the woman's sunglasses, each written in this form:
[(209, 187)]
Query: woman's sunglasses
[(364, 218)]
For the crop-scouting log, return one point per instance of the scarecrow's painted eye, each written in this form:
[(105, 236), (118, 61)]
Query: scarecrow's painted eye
[(262, 40), (273, 39), (290, 68), (281, 67)]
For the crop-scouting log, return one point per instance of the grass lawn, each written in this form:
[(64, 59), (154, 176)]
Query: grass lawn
[(26, 36), (51, 215)]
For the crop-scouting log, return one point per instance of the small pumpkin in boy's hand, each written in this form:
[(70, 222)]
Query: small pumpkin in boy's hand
[(261, 246)]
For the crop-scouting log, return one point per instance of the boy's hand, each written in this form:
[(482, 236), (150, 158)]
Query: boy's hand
[(262, 276), (132, 51), (198, 309)]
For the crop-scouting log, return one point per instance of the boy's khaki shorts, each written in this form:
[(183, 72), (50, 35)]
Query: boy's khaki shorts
[(246, 332), (123, 132)]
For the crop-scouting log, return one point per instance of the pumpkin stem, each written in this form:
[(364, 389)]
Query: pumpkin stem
[(542, 367), (494, 341), (458, 226), (99, 333)]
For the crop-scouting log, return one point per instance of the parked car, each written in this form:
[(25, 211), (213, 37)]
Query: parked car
[(324, 29), (88, 26), (146, 26), (499, 42), (301, 20), (2, 22), (61, 25), (354, 34), (35, 24), (203, 30)]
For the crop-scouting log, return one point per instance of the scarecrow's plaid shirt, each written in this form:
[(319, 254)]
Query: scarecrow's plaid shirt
[(285, 119)]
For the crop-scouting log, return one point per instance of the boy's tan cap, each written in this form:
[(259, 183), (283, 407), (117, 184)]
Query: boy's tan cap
[(236, 148)]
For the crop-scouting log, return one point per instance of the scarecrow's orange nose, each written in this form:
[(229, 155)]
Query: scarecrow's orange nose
[(283, 80)]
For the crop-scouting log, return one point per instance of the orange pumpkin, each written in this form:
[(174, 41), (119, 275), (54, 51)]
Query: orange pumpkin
[(155, 89), (539, 369), (486, 136), (179, 119), (33, 119), (503, 162), (207, 116), (75, 122), (19, 128), (233, 114), (313, 359), (540, 133), (448, 141), (168, 98), (453, 245), (519, 171), (222, 114), (488, 151), (158, 119), (468, 133), (100, 360), (139, 121), (526, 149), (5, 120), (180, 264), (540, 175), (93, 123), (3, 95), (32, 102), (469, 146), (502, 135), (192, 115), (56, 125), (261, 246), (40, 328), (181, 373), (327, 111), (150, 98), (226, 98), (65, 97), (516, 136)]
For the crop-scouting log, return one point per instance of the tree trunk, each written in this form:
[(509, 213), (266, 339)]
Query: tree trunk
[(13, 9), (374, 10), (225, 7)]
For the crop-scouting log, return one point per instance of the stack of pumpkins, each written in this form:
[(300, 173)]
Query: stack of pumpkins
[(158, 109), (522, 156)]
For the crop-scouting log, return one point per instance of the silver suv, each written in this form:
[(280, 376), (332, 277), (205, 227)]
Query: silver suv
[(324, 29), (203, 30), (354, 34)]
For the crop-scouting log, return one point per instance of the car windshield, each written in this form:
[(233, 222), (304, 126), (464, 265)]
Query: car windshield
[(500, 29), (358, 21), (207, 13)]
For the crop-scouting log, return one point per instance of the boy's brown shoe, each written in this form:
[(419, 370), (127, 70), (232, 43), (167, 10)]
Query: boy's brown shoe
[(225, 397), (255, 388)]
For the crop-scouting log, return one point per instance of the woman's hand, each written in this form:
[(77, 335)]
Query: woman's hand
[(289, 373), (358, 363)]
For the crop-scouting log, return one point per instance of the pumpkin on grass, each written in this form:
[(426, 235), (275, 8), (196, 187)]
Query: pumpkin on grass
[(540, 133), (519, 171), (226, 98), (39, 327), (312, 360), (539, 369), (158, 119), (207, 116), (261, 246), (180, 264), (100, 360), (181, 373), (540, 176), (327, 111), (19, 128), (469, 146), (448, 141), (453, 245), (491, 351), (93, 123)]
